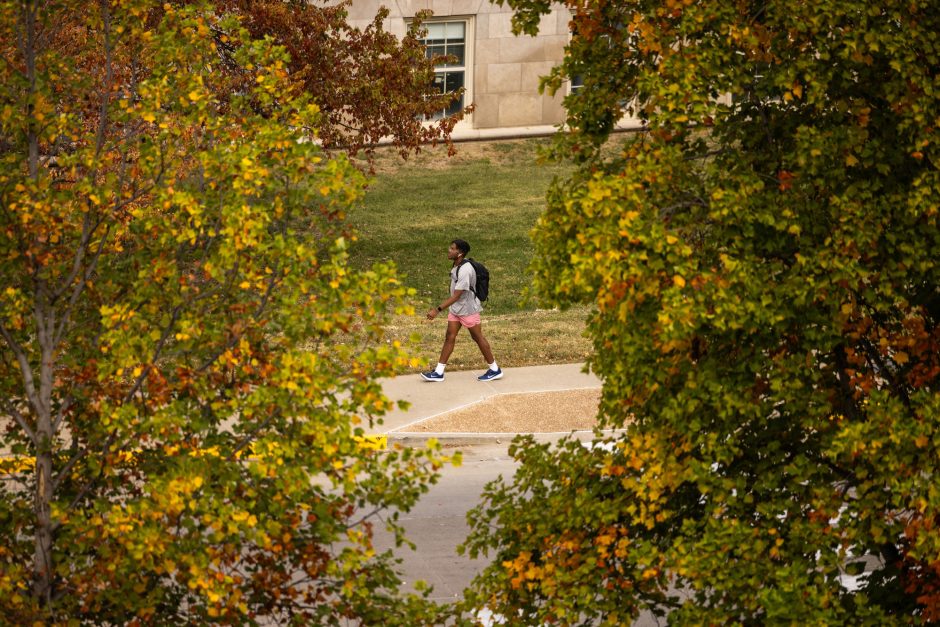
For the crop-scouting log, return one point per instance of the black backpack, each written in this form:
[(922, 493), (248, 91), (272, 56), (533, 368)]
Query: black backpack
[(482, 288)]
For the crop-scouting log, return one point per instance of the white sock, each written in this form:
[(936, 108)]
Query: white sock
[(494, 367), (440, 368)]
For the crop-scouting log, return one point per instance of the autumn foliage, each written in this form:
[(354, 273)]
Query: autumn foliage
[(370, 86), (181, 399), (763, 266)]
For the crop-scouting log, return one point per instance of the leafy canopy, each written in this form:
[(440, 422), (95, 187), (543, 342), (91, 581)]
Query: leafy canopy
[(763, 266), (175, 368)]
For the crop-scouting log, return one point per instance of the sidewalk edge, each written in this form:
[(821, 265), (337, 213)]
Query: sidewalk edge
[(416, 440)]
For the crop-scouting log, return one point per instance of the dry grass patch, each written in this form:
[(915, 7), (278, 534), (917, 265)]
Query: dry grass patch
[(538, 412)]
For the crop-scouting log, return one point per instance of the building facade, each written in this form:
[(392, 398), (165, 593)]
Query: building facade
[(499, 70)]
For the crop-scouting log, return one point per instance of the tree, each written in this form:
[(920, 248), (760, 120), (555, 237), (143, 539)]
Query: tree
[(186, 360), (763, 267), (369, 85)]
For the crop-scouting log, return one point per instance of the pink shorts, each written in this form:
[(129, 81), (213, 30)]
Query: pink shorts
[(468, 321)]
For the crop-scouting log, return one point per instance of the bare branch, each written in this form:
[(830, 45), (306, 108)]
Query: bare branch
[(60, 415), (23, 362), (20, 419)]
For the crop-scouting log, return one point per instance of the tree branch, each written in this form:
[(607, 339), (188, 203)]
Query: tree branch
[(10, 408), (20, 355)]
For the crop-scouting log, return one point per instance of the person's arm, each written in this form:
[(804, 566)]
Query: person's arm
[(433, 311)]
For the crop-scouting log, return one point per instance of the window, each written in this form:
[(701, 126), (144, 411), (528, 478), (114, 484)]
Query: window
[(448, 39), (577, 82)]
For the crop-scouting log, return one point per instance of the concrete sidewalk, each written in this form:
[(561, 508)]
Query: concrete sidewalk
[(462, 389)]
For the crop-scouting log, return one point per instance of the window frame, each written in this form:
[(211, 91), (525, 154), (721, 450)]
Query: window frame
[(466, 67)]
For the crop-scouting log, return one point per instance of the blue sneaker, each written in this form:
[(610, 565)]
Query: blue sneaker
[(491, 375), (432, 375)]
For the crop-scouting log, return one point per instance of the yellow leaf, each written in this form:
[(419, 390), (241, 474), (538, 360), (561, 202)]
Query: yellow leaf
[(195, 96), (851, 160), (901, 357), (678, 281)]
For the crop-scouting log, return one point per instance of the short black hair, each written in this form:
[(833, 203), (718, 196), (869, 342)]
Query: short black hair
[(461, 245)]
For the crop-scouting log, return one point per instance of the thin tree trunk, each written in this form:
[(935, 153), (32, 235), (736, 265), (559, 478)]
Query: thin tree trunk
[(42, 557), (43, 566)]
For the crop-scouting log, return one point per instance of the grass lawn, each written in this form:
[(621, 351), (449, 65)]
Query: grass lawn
[(490, 194)]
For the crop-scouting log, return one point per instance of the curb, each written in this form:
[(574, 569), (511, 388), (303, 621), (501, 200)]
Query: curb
[(420, 440)]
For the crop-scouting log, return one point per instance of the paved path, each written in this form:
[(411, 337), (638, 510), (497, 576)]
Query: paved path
[(438, 524), (462, 389)]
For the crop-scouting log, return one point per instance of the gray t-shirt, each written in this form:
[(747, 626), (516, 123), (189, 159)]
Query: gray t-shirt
[(468, 304)]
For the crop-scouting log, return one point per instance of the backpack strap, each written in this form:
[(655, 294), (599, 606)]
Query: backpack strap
[(467, 260)]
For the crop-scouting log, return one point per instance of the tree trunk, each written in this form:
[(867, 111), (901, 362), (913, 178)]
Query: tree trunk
[(41, 402), (42, 557), (43, 566)]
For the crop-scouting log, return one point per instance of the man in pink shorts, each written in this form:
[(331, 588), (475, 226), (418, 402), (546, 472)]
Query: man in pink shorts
[(464, 311)]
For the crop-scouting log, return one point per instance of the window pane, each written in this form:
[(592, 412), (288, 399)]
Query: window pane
[(454, 30), (457, 51), (436, 51), (455, 107), (436, 30), (452, 82)]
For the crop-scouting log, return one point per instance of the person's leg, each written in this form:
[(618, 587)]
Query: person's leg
[(449, 340), (476, 333)]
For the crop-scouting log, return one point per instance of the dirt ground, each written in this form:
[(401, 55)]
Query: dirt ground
[(387, 158), (537, 412)]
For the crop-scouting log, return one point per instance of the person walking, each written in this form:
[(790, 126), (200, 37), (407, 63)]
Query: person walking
[(464, 311)]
